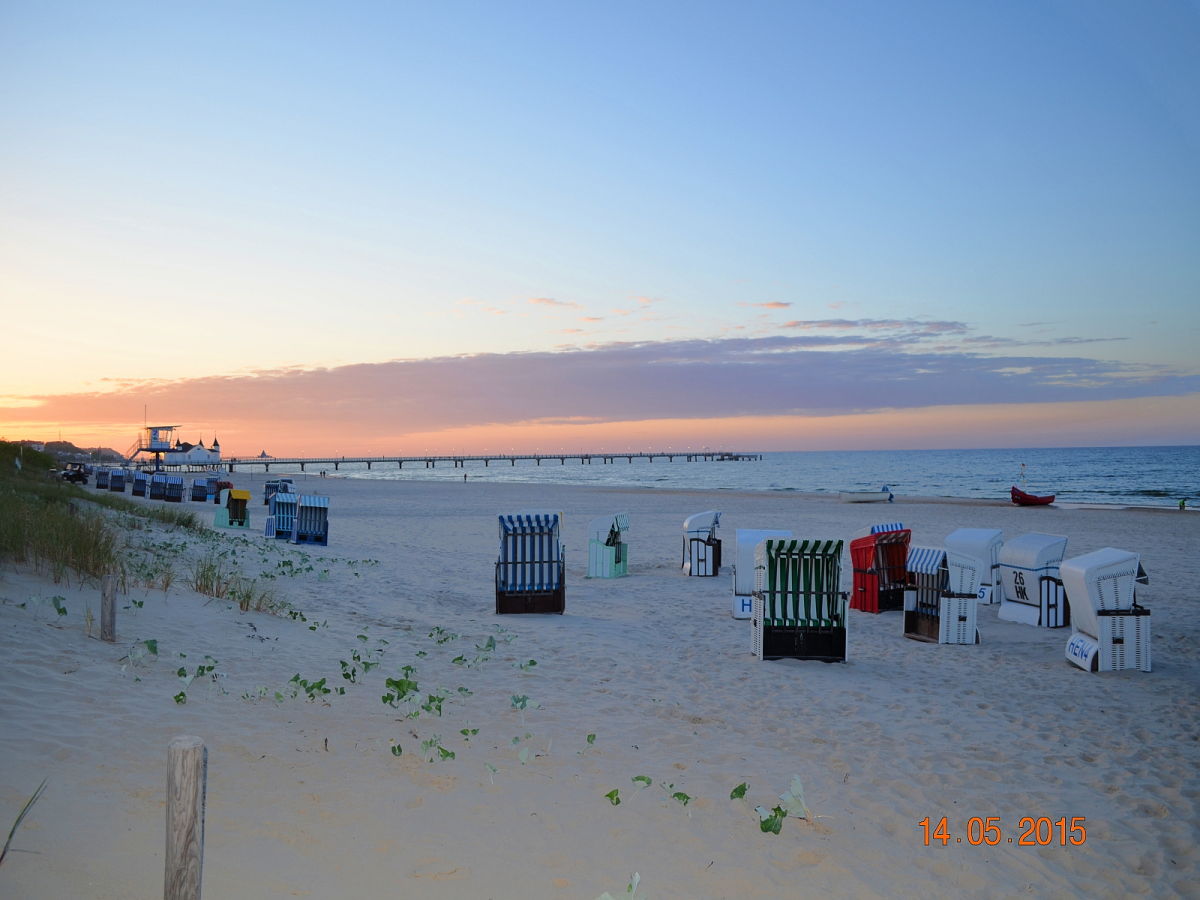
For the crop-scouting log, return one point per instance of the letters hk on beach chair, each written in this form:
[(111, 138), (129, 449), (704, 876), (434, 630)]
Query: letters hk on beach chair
[(173, 489), (1033, 592), (234, 511), (102, 476), (608, 554), (880, 560), (701, 546), (281, 515), (745, 542), (931, 613), (530, 570), (1111, 631), (311, 522), (973, 563), (799, 610), (140, 481)]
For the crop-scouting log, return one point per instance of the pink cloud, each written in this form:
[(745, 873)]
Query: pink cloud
[(550, 301)]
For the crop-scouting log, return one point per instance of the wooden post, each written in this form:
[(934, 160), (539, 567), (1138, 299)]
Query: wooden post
[(108, 608), (187, 777)]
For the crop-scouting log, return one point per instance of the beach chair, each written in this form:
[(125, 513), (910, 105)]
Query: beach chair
[(116, 480), (234, 510), (310, 525), (102, 479), (608, 554), (879, 556), (530, 570), (199, 492), (281, 517), (1033, 593), (157, 488), (275, 485), (745, 542), (140, 480), (173, 489), (931, 613), (798, 611), (1110, 631), (973, 563), (701, 546), (214, 488)]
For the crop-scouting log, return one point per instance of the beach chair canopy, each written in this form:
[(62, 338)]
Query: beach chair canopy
[(702, 524), (1035, 552), (879, 529), (799, 581), (747, 541), (972, 555), (610, 529), (926, 560), (530, 556)]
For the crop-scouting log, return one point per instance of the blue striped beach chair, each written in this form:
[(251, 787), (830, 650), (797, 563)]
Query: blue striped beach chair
[(701, 546), (931, 613), (281, 515), (140, 480), (102, 476), (798, 607), (116, 480), (530, 570), (173, 489), (608, 554), (310, 524), (275, 485), (199, 490), (157, 489)]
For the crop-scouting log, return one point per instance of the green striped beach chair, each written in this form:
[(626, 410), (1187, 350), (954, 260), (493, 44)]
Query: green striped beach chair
[(798, 610)]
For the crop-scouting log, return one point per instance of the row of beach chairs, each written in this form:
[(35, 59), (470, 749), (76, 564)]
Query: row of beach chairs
[(790, 588)]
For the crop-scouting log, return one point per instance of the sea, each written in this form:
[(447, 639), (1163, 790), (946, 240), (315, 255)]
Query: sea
[(1118, 476)]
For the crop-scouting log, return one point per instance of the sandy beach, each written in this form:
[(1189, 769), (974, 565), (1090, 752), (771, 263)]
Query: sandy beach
[(308, 797)]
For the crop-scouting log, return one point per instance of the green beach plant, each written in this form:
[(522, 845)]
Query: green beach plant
[(37, 794)]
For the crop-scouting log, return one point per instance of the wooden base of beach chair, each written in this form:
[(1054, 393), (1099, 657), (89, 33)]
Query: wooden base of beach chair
[(953, 623), (531, 601), (321, 539), (822, 643)]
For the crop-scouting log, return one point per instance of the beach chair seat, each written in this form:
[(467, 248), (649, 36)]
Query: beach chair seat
[(281, 516), (234, 510), (1110, 630), (310, 525), (173, 489), (701, 546), (140, 482), (745, 543), (880, 561), (1033, 592), (798, 608), (530, 569), (973, 563), (931, 613), (102, 476), (608, 553)]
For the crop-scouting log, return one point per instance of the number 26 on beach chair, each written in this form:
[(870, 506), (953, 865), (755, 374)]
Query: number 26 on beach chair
[(799, 609), (530, 571)]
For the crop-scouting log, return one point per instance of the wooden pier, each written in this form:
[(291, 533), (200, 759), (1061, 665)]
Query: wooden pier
[(460, 462)]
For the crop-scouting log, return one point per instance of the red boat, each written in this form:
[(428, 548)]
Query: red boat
[(1021, 498)]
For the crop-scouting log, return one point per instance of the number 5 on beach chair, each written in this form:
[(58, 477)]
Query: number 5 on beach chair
[(799, 610), (530, 572)]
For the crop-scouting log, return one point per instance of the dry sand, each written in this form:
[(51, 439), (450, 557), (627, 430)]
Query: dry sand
[(306, 799)]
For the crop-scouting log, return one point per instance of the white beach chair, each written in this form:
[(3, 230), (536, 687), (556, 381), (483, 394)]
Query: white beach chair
[(281, 515), (701, 546), (310, 524), (1110, 631), (973, 563), (608, 554), (746, 541), (1033, 593), (530, 569), (931, 613), (798, 608)]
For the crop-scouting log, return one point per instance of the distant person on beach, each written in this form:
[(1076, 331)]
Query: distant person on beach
[(1183, 503)]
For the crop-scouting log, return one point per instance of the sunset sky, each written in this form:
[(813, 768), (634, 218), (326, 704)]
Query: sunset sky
[(384, 228)]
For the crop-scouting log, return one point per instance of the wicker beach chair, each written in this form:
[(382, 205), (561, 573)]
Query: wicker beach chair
[(173, 489), (102, 476), (530, 569), (799, 610), (234, 509), (116, 480), (271, 487), (931, 613), (199, 492), (701, 546), (879, 556), (1110, 631), (140, 482), (311, 522), (745, 541), (157, 488), (1029, 571), (608, 554), (973, 563), (281, 515)]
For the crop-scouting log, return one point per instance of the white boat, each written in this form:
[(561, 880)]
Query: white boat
[(884, 495)]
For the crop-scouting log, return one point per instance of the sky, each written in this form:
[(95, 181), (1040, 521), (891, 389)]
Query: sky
[(399, 228)]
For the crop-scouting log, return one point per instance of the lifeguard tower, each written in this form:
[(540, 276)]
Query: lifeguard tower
[(156, 439)]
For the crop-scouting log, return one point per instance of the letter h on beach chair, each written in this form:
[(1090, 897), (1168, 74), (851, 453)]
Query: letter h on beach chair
[(234, 511), (745, 545), (311, 522), (880, 560), (281, 515), (931, 613), (1110, 630), (530, 571), (608, 554), (1033, 592), (701, 546), (799, 611)]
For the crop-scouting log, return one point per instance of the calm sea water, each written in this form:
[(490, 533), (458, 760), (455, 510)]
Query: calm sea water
[(1125, 476)]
